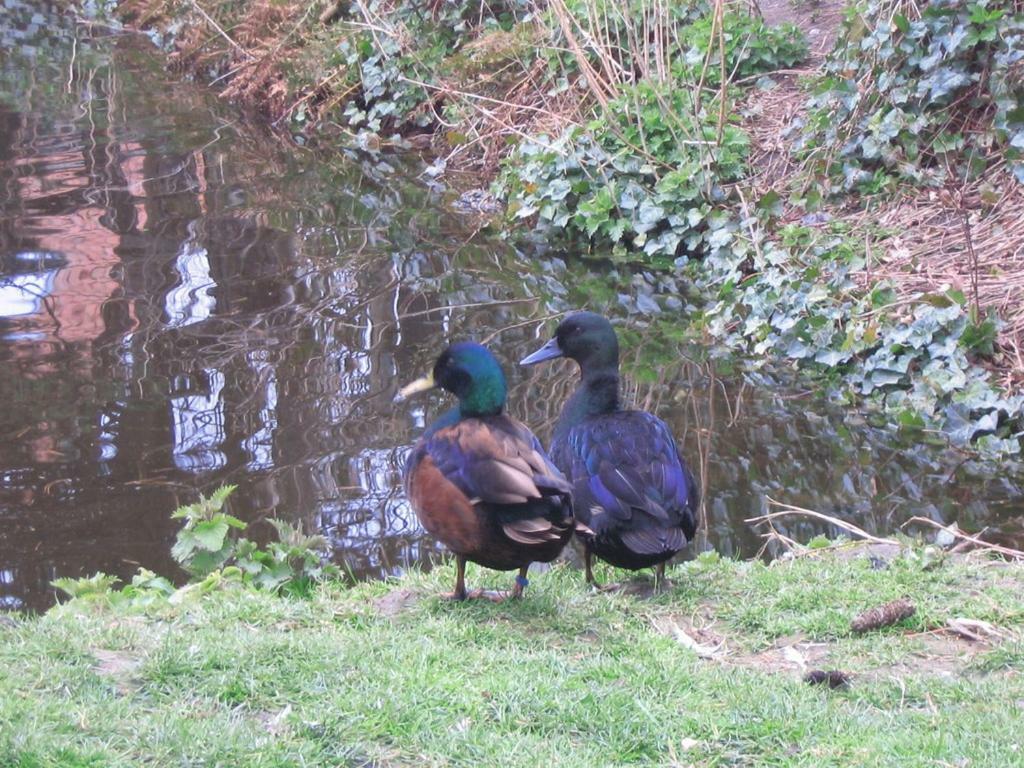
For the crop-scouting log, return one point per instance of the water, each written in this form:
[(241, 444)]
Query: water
[(186, 301)]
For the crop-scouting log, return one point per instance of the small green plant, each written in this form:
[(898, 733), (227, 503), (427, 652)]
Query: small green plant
[(99, 585), (293, 563), (979, 334), (209, 549), (205, 545), (751, 47)]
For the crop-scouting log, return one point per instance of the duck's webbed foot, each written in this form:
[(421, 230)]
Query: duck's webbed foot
[(588, 560), (521, 582), (661, 584), (494, 595), (459, 593)]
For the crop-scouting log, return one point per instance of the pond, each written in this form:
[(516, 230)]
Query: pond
[(187, 300)]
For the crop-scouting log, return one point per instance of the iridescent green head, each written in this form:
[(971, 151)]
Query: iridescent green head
[(471, 373)]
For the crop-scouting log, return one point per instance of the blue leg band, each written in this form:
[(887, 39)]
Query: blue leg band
[(522, 581)]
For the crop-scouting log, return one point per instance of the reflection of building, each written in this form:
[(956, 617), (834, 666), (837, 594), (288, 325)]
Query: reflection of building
[(259, 445), (174, 318), (154, 340), (22, 295), (197, 422), (191, 300), (69, 301)]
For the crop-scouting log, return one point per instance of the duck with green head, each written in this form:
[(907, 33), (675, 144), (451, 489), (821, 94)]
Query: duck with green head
[(479, 480), (635, 500)]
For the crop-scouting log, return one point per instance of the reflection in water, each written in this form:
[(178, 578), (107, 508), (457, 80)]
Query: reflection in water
[(191, 301), (197, 416), (185, 303)]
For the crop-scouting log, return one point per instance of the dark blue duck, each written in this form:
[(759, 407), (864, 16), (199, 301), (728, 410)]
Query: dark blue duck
[(635, 500), (480, 481)]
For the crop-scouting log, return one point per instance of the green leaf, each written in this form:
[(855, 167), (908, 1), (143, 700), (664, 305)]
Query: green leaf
[(770, 203), (234, 522), (220, 496), (910, 420), (185, 544), (210, 534), (91, 586)]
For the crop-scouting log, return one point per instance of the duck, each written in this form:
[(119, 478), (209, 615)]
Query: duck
[(635, 500), (479, 480)]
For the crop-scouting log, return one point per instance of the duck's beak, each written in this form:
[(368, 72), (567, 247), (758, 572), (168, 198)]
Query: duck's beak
[(420, 385), (547, 352)]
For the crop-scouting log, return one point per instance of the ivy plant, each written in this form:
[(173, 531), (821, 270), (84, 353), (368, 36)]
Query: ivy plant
[(921, 91), (646, 179)]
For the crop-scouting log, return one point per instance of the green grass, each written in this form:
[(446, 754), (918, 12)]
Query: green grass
[(564, 677)]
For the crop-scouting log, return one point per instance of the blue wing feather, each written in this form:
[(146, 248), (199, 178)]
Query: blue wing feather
[(629, 479)]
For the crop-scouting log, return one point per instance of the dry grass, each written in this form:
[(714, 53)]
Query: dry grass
[(497, 92), (247, 52), (969, 239), (767, 116)]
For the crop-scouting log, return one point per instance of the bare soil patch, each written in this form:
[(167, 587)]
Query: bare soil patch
[(818, 19), (945, 651), (394, 603), (120, 667)]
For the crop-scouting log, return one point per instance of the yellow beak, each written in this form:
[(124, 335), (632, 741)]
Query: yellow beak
[(420, 385)]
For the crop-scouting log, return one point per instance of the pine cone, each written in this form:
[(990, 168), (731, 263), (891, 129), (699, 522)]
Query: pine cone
[(883, 615), (833, 678)]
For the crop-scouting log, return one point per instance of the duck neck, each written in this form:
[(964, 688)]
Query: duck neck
[(597, 393), (446, 419)]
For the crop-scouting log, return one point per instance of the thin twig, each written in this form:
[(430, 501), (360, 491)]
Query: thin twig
[(790, 509), (1008, 551), (220, 31)]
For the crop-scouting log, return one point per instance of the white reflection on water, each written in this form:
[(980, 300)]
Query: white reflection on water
[(191, 301), (260, 445), (197, 420), (23, 294)]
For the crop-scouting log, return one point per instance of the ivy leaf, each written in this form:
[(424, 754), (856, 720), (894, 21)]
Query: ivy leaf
[(945, 81), (649, 216), (770, 203), (831, 357), (881, 378), (558, 190)]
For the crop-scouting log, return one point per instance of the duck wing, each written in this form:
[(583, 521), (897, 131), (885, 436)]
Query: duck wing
[(498, 462), (629, 481)]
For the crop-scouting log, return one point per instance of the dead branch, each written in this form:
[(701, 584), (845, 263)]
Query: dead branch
[(789, 509), (1016, 554)]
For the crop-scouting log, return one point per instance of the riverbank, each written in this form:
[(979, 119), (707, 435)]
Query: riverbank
[(710, 672), (856, 215)]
